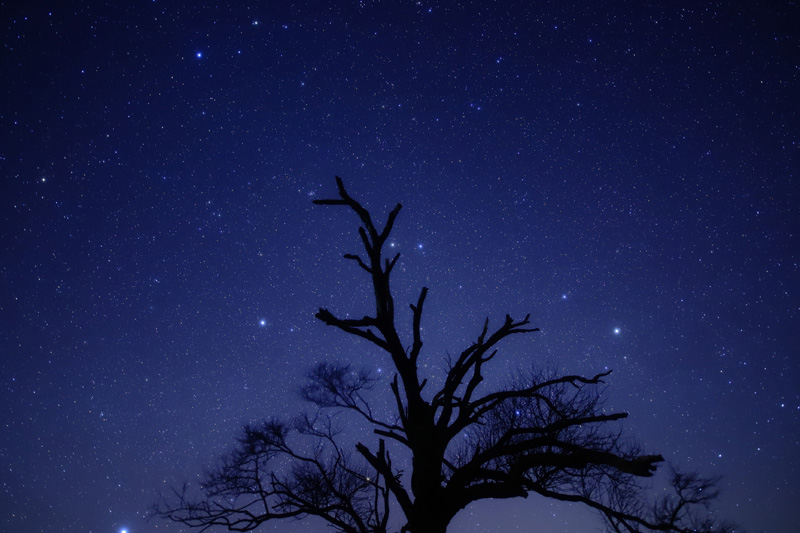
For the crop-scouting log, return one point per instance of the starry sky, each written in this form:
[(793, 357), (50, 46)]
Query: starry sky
[(626, 172)]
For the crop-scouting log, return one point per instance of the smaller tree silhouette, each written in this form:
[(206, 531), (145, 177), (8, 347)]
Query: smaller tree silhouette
[(543, 434)]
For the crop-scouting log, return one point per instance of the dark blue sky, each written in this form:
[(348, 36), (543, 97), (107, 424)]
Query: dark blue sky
[(626, 172)]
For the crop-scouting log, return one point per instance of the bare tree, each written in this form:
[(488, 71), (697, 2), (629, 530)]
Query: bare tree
[(542, 434)]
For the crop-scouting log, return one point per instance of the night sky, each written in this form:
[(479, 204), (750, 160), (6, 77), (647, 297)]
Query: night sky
[(626, 172)]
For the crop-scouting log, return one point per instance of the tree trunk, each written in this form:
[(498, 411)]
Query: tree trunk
[(433, 509), (427, 521)]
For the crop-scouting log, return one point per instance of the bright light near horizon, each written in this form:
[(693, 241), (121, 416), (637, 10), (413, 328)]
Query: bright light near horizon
[(123, 531)]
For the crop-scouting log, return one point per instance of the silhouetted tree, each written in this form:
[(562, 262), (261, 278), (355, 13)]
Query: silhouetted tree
[(544, 434)]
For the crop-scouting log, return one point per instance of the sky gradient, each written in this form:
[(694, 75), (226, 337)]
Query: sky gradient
[(626, 172)]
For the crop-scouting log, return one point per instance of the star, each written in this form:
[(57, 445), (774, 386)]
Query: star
[(616, 331), (262, 322)]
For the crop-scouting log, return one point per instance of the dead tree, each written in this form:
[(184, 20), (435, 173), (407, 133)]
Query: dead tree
[(543, 434)]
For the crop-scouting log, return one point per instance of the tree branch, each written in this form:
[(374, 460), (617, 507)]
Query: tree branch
[(416, 347), (472, 360), (353, 326), (482, 405), (381, 463)]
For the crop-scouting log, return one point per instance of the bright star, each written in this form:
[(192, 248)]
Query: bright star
[(616, 331), (198, 55), (262, 322)]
